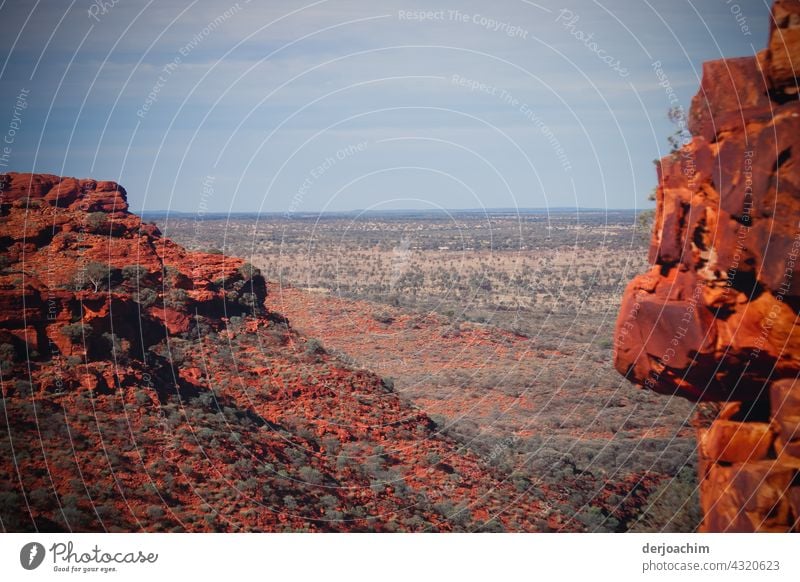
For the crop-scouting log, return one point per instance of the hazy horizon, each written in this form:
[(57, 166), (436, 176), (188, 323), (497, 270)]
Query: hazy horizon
[(528, 210)]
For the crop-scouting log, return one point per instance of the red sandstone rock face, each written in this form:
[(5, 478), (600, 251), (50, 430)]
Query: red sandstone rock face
[(715, 318), (784, 46), (73, 253)]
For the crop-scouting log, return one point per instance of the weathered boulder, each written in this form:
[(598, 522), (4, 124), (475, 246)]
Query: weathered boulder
[(714, 319)]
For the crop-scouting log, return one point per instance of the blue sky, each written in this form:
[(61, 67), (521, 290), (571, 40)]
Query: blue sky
[(348, 104)]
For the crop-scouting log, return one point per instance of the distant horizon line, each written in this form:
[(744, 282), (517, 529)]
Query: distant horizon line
[(428, 211)]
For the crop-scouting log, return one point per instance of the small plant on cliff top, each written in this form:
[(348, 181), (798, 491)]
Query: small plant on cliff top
[(681, 136)]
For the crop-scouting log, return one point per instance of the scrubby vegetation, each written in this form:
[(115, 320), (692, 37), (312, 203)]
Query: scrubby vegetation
[(500, 328)]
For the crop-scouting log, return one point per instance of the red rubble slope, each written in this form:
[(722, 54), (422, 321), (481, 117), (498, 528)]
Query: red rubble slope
[(485, 387), (715, 317), (146, 387)]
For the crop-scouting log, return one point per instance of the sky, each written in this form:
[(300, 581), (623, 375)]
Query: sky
[(334, 105)]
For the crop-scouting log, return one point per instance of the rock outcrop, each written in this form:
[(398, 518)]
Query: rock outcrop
[(715, 318), (78, 265)]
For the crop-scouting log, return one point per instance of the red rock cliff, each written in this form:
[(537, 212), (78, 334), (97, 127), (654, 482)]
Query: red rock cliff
[(715, 317), (77, 265)]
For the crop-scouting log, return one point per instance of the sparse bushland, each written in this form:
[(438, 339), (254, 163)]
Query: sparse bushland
[(501, 330)]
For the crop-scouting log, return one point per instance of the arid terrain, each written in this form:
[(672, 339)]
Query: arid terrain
[(150, 387), (499, 327), (478, 266)]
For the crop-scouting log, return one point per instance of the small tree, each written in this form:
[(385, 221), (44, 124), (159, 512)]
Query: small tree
[(595, 520), (673, 507), (644, 221), (97, 274), (116, 347), (382, 316), (248, 300), (155, 512), (310, 475), (432, 458), (681, 136)]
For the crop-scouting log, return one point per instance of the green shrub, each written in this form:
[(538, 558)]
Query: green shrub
[(155, 512), (146, 297), (133, 274), (605, 344), (383, 317), (674, 507), (432, 458), (248, 300), (116, 348), (176, 299), (314, 347), (97, 222), (8, 353), (595, 520), (75, 332), (248, 271)]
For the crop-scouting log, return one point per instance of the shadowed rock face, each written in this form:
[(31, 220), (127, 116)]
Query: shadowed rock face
[(73, 253), (715, 317)]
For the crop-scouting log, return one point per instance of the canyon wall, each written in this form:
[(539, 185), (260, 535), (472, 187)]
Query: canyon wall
[(80, 273), (714, 319)]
